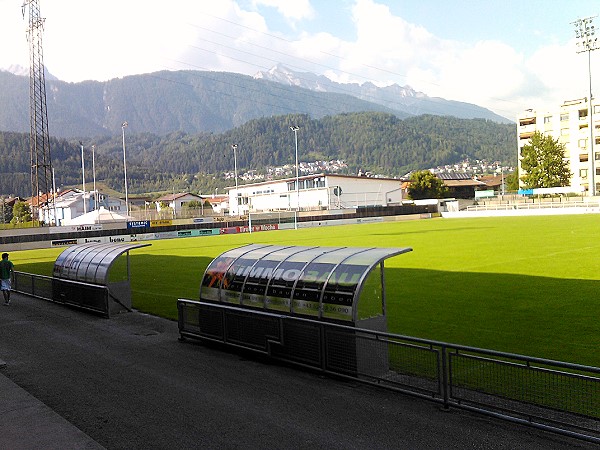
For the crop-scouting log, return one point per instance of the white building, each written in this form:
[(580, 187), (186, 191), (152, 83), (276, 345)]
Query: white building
[(314, 192), (69, 205), (176, 201), (572, 125)]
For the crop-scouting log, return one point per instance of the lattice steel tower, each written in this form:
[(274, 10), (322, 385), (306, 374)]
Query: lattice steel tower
[(39, 139)]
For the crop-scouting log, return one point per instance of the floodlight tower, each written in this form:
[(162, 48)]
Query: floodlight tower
[(39, 139), (588, 42)]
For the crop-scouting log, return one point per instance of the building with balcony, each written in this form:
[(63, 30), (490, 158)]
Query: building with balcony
[(575, 125)]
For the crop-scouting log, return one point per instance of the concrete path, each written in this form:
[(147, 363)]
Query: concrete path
[(74, 380)]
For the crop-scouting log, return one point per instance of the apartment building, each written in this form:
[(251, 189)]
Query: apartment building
[(572, 124)]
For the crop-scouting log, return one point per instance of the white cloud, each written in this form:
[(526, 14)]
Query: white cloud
[(103, 40), (292, 11)]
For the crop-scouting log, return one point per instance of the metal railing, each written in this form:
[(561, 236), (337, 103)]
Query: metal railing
[(535, 206), (90, 297), (551, 395)]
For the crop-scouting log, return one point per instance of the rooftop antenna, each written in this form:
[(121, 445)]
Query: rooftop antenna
[(39, 140)]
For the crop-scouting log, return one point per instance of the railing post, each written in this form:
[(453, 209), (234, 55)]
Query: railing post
[(445, 378)]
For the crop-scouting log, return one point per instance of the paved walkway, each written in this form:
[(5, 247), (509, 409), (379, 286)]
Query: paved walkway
[(77, 381)]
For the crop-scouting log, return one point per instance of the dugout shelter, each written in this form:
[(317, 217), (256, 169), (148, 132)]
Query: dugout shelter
[(247, 292), (82, 276)]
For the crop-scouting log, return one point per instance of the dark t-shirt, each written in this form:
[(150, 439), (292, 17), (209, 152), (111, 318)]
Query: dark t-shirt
[(6, 267)]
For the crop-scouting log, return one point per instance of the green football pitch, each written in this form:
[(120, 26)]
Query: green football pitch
[(525, 285)]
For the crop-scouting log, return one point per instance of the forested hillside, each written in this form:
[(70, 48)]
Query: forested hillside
[(377, 142), (163, 102)]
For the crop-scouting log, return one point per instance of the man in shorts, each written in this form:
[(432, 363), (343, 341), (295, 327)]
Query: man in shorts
[(6, 274)]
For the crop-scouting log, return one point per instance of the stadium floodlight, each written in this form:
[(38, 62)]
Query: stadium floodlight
[(295, 129), (83, 177), (237, 204), (587, 41), (123, 126)]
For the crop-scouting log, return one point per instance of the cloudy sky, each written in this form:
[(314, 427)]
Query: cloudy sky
[(505, 55)]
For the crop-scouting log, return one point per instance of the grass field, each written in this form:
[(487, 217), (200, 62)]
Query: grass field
[(527, 285)]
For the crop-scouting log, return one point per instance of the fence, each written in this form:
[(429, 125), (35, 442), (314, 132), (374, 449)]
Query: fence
[(90, 297), (551, 395), (595, 206)]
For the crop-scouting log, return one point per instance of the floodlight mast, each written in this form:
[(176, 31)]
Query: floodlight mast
[(237, 205), (295, 129), (39, 138), (83, 177), (587, 41), (123, 126)]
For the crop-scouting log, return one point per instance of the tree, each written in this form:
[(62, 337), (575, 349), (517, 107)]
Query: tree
[(512, 181), (6, 211), (543, 163), (424, 184), (21, 213)]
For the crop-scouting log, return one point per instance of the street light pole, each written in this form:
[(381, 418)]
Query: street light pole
[(587, 42), (123, 126), (83, 177), (53, 199), (295, 129), (94, 175), (237, 205)]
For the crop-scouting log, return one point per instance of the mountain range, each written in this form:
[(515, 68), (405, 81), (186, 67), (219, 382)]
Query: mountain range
[(403, 99), (197, 102)]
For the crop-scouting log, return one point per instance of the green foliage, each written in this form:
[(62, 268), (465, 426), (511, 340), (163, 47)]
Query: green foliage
[(193, 204), (6, 212), (371, 141), (512, 181), (424, 184), (543, 163), (21, 213)]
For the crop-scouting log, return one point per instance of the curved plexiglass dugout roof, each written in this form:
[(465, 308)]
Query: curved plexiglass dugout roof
[(323, 282), (90, 263)]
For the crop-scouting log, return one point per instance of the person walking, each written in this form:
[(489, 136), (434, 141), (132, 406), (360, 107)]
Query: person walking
[(6, 275)]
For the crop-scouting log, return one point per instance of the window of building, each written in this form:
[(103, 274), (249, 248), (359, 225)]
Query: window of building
[(583, 157), (597, 170), (547, 119), (320, 182), (583, 113), (564, 117), (583, 126), (582, 143), (583, 174), (596, 109), (564, 131), (291, 185)]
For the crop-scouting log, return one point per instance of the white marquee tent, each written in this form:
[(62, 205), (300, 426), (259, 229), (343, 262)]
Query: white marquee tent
[(101, 215)]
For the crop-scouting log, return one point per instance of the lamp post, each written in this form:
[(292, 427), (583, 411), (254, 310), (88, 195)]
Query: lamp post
[(295, 129), (53, 199), (237, 205), (123, 126), (83, 177), (94, 175), (587, 42)]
